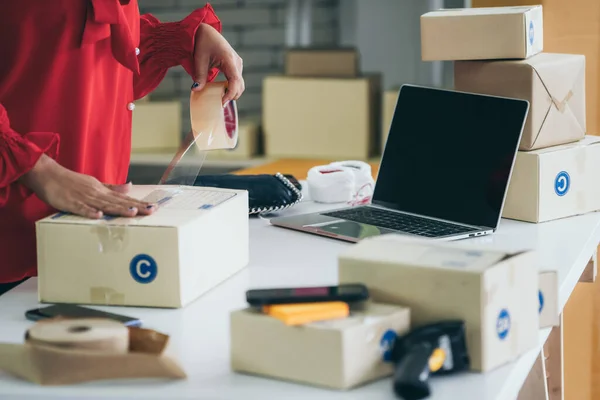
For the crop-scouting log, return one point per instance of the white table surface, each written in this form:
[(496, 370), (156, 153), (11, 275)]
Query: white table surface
[(278, 257)]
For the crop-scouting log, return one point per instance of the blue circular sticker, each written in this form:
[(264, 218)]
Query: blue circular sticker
[(541, 298), (503, 324), (562, 183), (531, 33), (143, 268), (386, 343)]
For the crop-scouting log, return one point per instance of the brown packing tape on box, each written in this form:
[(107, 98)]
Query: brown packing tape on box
[(47, 364)]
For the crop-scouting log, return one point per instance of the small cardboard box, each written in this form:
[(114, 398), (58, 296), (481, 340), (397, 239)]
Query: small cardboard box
[(337, 354), (482, 33), (322, 62), (495, 293), (197, 239), (556, 182), (156, 126), (548, 299), (247, 145), (329, 118), (390, 98), (554, 85)]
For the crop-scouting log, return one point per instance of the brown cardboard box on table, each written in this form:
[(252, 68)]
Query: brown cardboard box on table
[(554, 85), (573, 27), (322, 62), (482, 33), (555, 182), (329, 118), (156, 126), (337, 354), (494, 292), (196, 239)]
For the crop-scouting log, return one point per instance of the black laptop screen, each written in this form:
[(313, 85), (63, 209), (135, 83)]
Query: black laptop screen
[(449, 155)]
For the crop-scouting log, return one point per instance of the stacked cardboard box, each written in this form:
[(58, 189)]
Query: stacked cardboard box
[(322, 108), (156, 126), (499, 51)]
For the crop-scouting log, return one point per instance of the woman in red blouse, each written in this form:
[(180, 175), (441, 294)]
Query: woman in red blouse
[(70, 72)]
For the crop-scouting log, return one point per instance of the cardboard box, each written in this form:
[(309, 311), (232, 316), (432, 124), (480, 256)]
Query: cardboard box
[(195, 240), (482, 33), (495, 293), (554, 85), (322, 62), (247, 145), (321, 117), (548, 299), (337, 354), (555, 182), (390, 98), (571, 27), (156, 126)]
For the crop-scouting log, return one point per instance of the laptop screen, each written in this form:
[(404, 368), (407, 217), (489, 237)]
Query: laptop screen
[(449, 155)]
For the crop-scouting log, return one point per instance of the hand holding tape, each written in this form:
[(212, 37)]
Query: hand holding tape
[(214, 127)]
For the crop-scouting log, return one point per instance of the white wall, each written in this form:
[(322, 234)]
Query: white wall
[(387, 34)]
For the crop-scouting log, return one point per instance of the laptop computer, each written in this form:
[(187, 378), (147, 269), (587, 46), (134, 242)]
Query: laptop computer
[(444, 173)]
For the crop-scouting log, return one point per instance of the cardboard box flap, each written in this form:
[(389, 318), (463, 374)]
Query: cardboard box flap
[(588, 140), (559, 82), (178, 205), (394, 249), (461, 12)]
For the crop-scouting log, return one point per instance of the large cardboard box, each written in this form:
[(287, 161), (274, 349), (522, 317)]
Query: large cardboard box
[(337, 354), (156, 126), (321, 117), (390, 98), (195, 240), (556, 182), (494, 292), (322, 62), (573, 27), (554, 85), (482, 33)]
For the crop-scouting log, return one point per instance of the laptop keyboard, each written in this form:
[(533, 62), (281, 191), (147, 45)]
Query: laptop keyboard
[(399, 222)]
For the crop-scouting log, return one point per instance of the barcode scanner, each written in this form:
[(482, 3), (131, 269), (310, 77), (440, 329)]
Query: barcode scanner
[(435, 349)]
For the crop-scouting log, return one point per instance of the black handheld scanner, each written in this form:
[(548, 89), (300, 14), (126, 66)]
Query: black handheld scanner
[(436, 349)]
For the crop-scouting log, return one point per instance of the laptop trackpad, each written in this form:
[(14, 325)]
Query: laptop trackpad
[(350, 229)]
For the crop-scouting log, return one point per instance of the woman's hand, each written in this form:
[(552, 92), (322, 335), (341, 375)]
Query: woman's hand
[(213, 51), (81, 194)]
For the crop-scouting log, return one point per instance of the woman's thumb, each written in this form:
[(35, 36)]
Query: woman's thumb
[(201, 72)]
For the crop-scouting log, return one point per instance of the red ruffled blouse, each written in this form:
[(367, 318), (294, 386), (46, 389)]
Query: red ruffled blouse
[(70, 72)]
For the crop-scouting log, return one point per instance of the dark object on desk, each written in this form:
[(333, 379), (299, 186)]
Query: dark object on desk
[(347, 293), (436, 349), (74, 311), (266, 193)]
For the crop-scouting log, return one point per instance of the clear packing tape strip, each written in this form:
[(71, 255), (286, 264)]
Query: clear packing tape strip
[(341, 182), (70, 351), (213, 127)]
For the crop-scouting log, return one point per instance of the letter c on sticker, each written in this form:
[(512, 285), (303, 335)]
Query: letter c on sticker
[(143, 268)]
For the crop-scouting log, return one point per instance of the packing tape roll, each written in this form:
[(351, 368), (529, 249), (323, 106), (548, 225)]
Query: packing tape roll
[(89, 334), (362, 173), (331, 184), (214, 127)]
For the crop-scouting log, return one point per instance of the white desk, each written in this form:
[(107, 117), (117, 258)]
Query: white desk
[(200, 332)]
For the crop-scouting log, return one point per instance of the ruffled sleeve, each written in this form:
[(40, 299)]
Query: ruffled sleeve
[(19, 153), (168, 44)]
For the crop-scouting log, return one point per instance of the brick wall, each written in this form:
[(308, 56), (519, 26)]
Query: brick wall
[(256, 29)]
